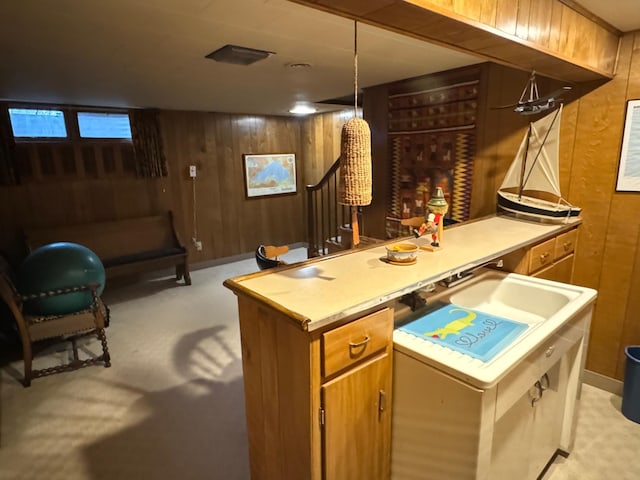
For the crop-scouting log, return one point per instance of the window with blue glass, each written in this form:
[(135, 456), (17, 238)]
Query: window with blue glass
[(104, 125), (37, 123)]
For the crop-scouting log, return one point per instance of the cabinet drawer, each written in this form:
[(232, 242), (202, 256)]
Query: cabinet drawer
[(530, 369), (542, 255), (566, 243), (350, 343)]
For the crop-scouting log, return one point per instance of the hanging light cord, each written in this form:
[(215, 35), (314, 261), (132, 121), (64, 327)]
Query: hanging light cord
[(355, 68), (195, 215)]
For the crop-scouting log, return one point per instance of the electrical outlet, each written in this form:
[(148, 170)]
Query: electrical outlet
[(192, 170), (198, 244)]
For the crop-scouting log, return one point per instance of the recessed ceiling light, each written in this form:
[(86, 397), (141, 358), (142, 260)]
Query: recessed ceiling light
[(302, 109)]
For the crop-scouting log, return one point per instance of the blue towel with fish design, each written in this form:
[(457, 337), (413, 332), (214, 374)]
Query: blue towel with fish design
[(468, 331)]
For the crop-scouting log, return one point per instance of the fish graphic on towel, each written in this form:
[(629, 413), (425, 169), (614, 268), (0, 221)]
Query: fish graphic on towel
[(454, 327)]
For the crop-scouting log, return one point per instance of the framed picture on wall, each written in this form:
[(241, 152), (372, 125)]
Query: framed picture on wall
[(629, 167), (269, 174)]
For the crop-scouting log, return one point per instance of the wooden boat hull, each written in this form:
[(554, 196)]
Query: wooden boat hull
[(536, 208)]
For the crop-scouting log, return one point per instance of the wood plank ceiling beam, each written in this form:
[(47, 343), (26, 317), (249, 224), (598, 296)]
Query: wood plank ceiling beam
[(548, 36)]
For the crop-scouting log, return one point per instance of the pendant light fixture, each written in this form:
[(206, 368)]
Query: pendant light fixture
[(355, 157)]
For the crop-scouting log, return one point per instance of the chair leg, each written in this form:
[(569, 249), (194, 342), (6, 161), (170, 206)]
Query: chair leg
[(28, 358), (74, 348), (187, 275), (105, 349), (107, 318)]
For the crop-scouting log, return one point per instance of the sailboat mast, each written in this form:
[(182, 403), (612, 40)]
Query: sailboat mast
[(544, 141), (523, 167)]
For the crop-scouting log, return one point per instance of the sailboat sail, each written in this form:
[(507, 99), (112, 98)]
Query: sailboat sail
[(532, 183)]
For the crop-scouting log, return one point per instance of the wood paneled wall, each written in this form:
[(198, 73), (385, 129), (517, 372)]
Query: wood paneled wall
[(543, 35), (321, 142), (608, 257), (227, 223)]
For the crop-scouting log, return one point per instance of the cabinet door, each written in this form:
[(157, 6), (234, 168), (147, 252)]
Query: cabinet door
[(511, 441), (357, 422), (547, 421), (560, 271)]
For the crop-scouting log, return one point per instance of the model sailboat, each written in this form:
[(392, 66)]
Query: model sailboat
[(531, 187)]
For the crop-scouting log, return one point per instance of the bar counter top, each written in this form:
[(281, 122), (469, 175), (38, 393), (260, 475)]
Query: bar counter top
[(324, 290)]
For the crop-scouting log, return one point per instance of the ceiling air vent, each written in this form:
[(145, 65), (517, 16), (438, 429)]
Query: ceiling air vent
[(238, 55)]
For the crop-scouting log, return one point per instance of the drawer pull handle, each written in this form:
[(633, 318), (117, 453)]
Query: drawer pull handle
[(544, 383), (544, 256), (360, 344), (540, 387), (535, 394), (550, 351), (567, 245), (382, 401)]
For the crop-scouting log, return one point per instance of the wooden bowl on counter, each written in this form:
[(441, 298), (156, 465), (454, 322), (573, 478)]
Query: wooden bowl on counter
[(402, 253)]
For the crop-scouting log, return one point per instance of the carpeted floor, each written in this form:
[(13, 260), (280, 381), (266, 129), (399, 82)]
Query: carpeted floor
[(607, 445), (172, 406)]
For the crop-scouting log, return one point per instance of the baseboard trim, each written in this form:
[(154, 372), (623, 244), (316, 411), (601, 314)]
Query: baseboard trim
[(602, 382)]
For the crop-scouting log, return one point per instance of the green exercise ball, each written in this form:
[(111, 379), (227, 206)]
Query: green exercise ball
[(57, 266)]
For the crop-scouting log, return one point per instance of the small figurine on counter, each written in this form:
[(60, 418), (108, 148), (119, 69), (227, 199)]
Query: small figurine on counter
[(435, 219), (429, 227), (438, 208)]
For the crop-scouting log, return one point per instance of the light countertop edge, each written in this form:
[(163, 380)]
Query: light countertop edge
[(323, 290)]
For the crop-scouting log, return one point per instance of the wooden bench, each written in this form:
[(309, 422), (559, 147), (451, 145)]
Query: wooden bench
[(128, 246)]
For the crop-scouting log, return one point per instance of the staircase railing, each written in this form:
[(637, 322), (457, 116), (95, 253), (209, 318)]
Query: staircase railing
[(325, 215)]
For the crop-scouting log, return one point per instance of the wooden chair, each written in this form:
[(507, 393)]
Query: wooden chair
[(91, 320), (267, 256)]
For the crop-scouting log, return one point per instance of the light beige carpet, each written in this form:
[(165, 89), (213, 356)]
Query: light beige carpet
[(172, 405), (607, 445)]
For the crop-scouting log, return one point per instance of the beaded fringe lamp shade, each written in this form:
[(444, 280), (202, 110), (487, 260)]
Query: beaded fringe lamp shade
[(355, 157)]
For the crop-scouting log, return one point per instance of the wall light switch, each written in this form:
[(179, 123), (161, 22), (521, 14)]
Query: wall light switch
[(192, 170)]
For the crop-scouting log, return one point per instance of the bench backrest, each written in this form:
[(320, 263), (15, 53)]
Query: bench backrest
[(111, 239)]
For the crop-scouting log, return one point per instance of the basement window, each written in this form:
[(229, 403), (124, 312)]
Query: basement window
[(104, 125), (37, 123)]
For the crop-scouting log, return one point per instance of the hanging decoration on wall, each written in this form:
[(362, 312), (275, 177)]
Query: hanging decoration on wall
[(531, 103), (146, 138), (355, 158), (432, 137)]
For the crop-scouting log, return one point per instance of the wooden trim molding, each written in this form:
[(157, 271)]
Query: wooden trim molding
[(545, 36), (591, 16)]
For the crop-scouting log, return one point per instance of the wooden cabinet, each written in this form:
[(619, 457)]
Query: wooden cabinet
[(355, 404), (318, 404), (357, 428), (551, 259), (344, 346)]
